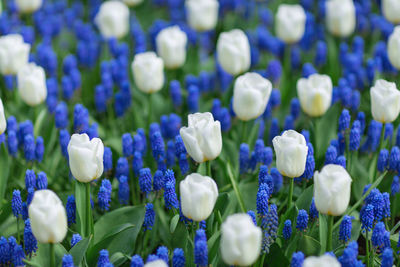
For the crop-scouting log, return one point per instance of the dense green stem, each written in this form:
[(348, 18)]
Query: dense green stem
[(236, 189), (18, 234), (330, 232), (88, 227), (52, 255), (381, 142), (290, 193), (149, 107), (208, 168), (244, 132), (367, 248)]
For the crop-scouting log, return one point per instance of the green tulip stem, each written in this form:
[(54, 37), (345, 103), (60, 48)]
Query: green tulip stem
[(52, 256), (367, 248), (381, 143), (18, 238), (208, 168), (149, 107), (88, 211), (290, 193), (330, 232)]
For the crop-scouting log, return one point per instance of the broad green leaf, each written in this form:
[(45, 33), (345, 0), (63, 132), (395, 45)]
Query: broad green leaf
[(174, 223), (309, 245), (304, 200), (180, 237), (323, 232), (42, 255), (5, 169), (79, 250), (81, 214), (276, 256), (118, 258)]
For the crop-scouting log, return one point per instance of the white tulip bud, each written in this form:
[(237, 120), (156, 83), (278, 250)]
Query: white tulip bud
[(171, 46), (132, 3), (202, 137), (240, 240), (48, 217), (321, 261), (385, 101), (113, 19), (202, 14), (315, 94), (233, 51), (28, 6), (32, 86), (148, 72), (156, 263), (290, 23), (14, 54), (291, 153), (3, 122), (393, 48), (85, 157), (198, 196), (332, 187), (251, 95), (391, 10), (340, 17)]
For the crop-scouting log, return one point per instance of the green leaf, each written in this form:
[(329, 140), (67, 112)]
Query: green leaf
[(276, 257), (309, 245), (304, 200), (118, 258), (174, 223), (79, 250), (5, 169), (180, 237), (80, 199), (42, 255), (323, 232)]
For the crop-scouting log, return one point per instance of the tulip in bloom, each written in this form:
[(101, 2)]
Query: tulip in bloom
[(290, 23), (156, 263), (132, 3), (28, 6), (240, 240), (171, 46), (85, 157), (148, 72), (332, 188), (251, 95), (48, 217), (198, 196), (393, 48), (32, 84), (113, 19), (233, 50), (324, 260), (14, 54), (291, 153), (391, 10), (385, 101), (340, 17), (202, 14), (315, 94), (3, 122), (202, 137)]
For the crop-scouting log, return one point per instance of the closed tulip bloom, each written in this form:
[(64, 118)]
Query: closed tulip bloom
[(251, 95), (156, 263), (324, 260), (3, 122), (113, 19), (32, 84), (14, 54), (340, 17), (132, 3), (391, 10), (171, 46), (48, 217), (385, 101), (315, 94), (198, 196), (202, 15), (233, 51), (28, 6), (148, 72), (240, 240), (291, 153), (332, 188), (202, 137), (393, 48), (85, 157), (290, 23)]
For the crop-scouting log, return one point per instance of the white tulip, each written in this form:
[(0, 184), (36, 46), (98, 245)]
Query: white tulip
[(32, 86), (202, 14), (291, 153), (321, 261), (14, 54), (393, 48), (148, 72), (340, 17), (385, 101), (156, 263), (290, 23), (250, 96), (233, 51), (391, 10), (28, 6), (202, 137), (315, 94), (3, 122), (332, 187), (240, 240), (171, 46), (198, 196), (85, 157), (132, 3), (113, 19), (48, 217)]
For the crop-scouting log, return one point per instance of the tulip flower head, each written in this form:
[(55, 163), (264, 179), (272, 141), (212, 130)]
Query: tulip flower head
[(385, 101), (113, 19), (290, 23)]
